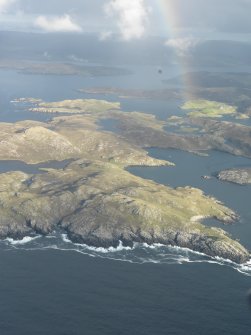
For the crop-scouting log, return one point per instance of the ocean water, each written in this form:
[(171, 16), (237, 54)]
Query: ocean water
[(55, 292), (52, 286)]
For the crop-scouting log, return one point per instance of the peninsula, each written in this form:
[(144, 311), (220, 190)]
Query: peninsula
[(94, 199)]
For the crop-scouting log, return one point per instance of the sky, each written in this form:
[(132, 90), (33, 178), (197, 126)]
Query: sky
[(178, 20)]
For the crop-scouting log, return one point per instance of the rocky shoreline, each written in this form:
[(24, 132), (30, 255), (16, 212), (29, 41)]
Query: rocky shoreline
[(194, 242), (94, 199), (101, 204)]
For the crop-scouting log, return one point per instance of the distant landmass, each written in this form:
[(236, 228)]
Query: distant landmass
[(59, 68)]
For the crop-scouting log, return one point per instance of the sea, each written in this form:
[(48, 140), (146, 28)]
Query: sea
[(48, 285)]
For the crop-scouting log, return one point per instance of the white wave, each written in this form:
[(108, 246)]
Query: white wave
[(225, 260), (248, 263), (179, 250), (65, 238), (81, 251), (171, 248), (170, 259), (161, 254), (245, 268), (120, 247), (182, 254), (150, 246), (244, 272), (24, 240), (187, 250)]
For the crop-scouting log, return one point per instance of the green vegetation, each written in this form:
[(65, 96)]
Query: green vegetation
[(241, 116), (208, 109), (78, 106)]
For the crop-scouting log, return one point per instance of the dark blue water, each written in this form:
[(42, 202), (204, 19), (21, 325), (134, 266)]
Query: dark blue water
[(55, 293), (45, 292), (50, 286)]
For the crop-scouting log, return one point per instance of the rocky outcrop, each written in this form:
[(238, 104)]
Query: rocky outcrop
[(237, 176)]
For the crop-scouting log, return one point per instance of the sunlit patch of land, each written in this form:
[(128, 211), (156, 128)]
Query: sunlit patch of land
[(77, 106), (93, 198), (206, 108)]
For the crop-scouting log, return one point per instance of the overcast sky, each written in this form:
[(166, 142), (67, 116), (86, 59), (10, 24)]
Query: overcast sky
[(129, 19)]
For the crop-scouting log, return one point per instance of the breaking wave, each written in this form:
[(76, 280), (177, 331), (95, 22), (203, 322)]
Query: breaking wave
[(139, 253), (25, 240)]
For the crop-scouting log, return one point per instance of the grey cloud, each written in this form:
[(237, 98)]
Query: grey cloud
[(218, 15), (227, 16)]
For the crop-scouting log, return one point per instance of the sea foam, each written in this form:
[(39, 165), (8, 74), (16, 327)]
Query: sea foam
[(139, 253), (24, 240), (120, 246)]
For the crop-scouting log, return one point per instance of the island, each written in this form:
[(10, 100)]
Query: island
[(232, 88), (208, 90), (207, 108), (61, 68), (135, 93), (241, 176), (93, 198)]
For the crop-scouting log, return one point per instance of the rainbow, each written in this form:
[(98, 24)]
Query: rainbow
[(169, 12)]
